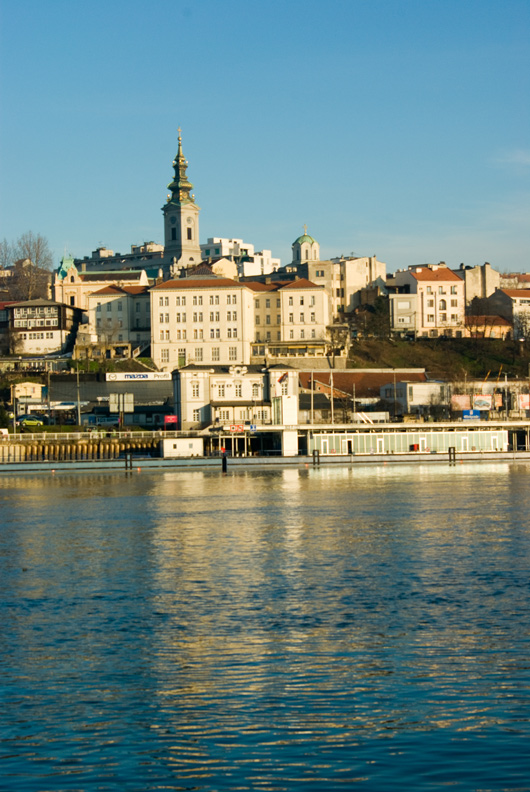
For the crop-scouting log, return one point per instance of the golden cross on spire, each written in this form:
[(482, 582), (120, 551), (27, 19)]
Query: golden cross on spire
[(305, 228)]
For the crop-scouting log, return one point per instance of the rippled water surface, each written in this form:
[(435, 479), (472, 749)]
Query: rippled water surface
[(322, 629)]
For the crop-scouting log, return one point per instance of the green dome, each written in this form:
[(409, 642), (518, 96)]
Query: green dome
[(304, 238)]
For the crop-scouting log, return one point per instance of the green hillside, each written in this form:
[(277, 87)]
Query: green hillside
[(445, 358)]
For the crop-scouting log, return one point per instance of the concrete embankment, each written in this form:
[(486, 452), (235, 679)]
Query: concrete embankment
[(43, 450), (109, 457)]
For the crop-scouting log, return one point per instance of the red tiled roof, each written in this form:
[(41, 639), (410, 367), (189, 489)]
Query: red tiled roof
[(199, 283), (439, 274), (525, 293), (487, 319)]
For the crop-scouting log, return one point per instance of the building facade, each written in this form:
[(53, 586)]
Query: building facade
[(429, 301), (40, 327)]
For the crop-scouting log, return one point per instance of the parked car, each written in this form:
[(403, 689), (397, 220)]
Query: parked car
[(29, 421)]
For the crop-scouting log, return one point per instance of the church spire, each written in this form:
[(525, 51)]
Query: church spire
[(180, 186)]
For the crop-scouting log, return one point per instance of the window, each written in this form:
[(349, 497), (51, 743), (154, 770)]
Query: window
[(278, 302), (234, 332), (441, 290), (217, 315), (267, 303), (443, 305), (278, 319), (256, 303), (302, 318), (291, 333), (161, 301), (98, 307), (200, 316), (453, 290), (178, 317), (212, 332), (164, 355), (268, 335), (255, 390), (430, 317), (291, 318), (195, 389), (454, 317), (200, 299), (234, 300), (312, 301), (429, 290), (313, 334), (221, 390), (161, 317), (313, 317), (182, 356), (137, 307), (72, 300), (232, 353), (229, 316), (290, 300), (109, 306), (195, 316), (212, 316), (198, 353), (177, 301), (454, 303), (268, 319), (215, 353), (189, 233), (443, 317), (258, 320), (161, 335), (195, 299), (224, 415), (211, 299), (183, 301), (302, 334), (166, 301), (196, 415), (238, 389), (167, 317), (285, 385), (229, 332)]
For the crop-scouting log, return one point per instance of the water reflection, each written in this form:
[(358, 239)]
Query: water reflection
[(266, 630)]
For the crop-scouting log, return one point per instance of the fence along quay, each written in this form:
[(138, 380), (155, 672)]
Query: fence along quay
[(332, 443)]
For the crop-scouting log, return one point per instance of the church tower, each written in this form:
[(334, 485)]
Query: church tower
[(181, 218), (305, 249)]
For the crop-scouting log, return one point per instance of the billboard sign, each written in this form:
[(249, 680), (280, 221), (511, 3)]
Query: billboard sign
[(471, 415), (482, 402), (144, 376)]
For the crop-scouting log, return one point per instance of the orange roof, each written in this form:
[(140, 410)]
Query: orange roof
[(112, 289), (199, 283), (439, 274), (487, 319), (525, 293)]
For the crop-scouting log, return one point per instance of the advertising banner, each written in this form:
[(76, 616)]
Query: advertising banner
[(460, 402), (147, 376), (482, 401), (524, 401)]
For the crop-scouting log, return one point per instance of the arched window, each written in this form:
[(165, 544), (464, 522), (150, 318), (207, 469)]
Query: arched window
[(443, 305)]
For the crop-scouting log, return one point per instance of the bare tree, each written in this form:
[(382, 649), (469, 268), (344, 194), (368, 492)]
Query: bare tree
[(34, 249), (31, 273), (6, 254)]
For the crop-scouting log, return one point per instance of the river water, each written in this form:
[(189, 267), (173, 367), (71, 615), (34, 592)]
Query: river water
[(314, 629)]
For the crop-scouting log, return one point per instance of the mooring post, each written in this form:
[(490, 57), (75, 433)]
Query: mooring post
[(452, 454), (225, 462), (316, 456), (128, 460)]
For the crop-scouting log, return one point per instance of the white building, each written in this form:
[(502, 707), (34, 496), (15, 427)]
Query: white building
[(235, 395), (250, 263), (345, 278), (118, 316), (429, 300), (40, 327), (222, 321), (201, 321)]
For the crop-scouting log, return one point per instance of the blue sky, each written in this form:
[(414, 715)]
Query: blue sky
[(399, 129)]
